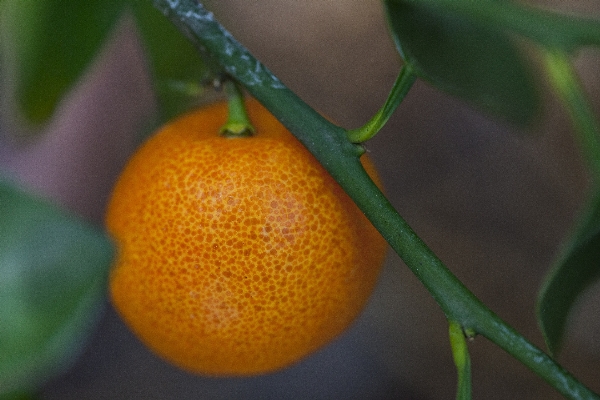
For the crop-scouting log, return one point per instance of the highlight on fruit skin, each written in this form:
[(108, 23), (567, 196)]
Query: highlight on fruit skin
[(237, 256)]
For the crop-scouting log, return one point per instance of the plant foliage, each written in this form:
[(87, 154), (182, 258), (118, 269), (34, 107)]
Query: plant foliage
[(53, 264)]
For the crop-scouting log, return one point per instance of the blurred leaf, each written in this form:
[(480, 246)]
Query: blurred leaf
[(53, 42), (549, 28), (575, 270), (178, 68), (465, 58), (19, 395), (53, 273)]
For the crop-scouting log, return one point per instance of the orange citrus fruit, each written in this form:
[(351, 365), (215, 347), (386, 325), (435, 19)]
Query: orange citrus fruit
[(237, 256)]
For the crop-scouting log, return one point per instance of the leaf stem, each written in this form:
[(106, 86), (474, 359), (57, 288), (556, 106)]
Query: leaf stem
[(401, 87), (460, 354), (329, 144)]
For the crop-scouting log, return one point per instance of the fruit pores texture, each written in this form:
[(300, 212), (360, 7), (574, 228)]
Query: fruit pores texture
[(237, 256)]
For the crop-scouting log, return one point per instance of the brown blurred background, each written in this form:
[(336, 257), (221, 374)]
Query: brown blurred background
[(493, 202)]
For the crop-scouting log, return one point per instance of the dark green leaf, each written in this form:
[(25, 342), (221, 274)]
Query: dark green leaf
[(178, 68), (19, 395), (575, 270), (552, 29), (465, 58), (53, 41), (53, 273)]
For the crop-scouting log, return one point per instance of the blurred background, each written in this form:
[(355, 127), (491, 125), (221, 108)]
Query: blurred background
[(492, 201)]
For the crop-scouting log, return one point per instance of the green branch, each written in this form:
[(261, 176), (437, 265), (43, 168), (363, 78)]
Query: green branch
[(340, 157)]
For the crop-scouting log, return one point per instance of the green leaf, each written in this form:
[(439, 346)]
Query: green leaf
[(19, 395), (579, 264), (575, 270), (563, 76), (53, 275), (52, 42), (465, 58), (178, 69), (551, 29)]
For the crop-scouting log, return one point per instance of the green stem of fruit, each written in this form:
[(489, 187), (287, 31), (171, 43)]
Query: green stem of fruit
[(401, 87), (330, 145), (460, 353), (238, 124)]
